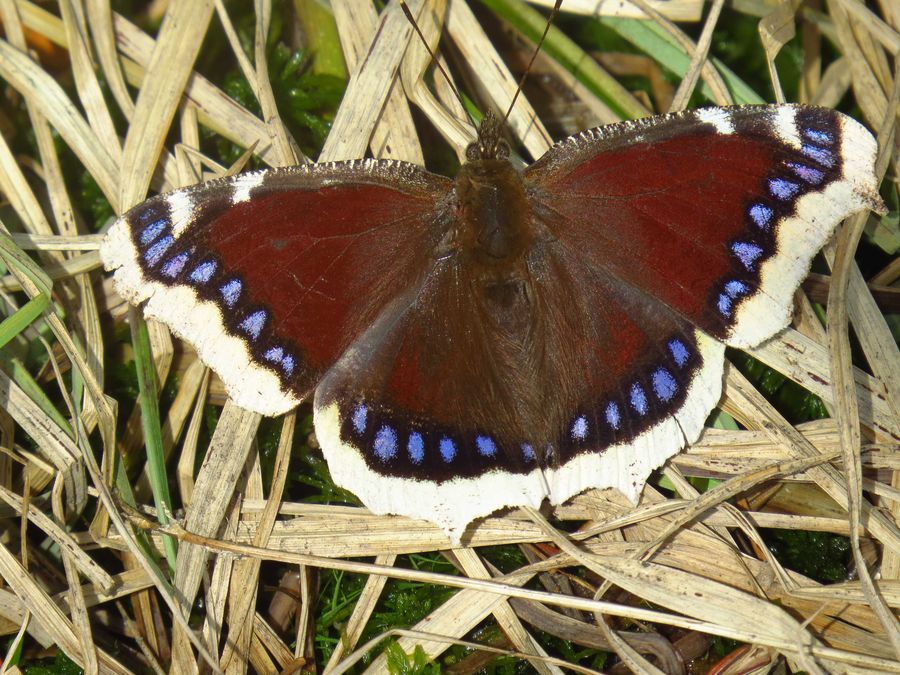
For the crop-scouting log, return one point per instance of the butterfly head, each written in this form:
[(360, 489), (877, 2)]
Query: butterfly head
[(490, 143), (495, 215)]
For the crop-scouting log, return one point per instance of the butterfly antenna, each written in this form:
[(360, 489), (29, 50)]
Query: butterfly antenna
[(409, 16), (550, 19)]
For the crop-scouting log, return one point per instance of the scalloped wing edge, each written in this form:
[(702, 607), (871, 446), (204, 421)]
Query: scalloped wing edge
[(200, 323), (800, 237), (454, 504)]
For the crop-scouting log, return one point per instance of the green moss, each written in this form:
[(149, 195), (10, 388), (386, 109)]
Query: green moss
[(59, 665), (789, 398), (822, 556)]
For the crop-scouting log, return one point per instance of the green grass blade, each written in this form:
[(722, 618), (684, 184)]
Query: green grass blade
[(20, 375), (558, 46), (150, 422), (21, 265), (652, 39), (322, 38), (24, 316)]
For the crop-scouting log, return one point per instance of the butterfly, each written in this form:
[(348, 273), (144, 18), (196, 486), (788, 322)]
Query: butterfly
[(506, 336)]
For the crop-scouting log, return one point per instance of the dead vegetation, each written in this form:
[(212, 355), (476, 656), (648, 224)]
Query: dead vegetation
[(692, 561)]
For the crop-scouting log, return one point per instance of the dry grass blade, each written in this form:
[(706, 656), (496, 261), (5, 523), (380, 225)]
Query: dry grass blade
[(55, 444), (45, 610), (370, 85), (395, 136), (417, 637), (167, 73), (775, 30), (246, 573), (684, 592), (465, 611), (86, 565), (677, 10), (806, 362), (20, 195), (698, 59), (697, 542), (35, 83), (90, 94), (99, 18), (842, 371), (738, 389), (500, 85), (710, 75), (211, 495), (362, 611), (628, 655)]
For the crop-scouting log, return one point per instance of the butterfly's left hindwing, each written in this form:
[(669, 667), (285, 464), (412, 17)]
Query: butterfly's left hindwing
[(272, 275), (715, 212)]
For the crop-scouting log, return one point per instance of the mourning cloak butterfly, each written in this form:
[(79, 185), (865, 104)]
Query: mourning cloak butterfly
[(507, 336)]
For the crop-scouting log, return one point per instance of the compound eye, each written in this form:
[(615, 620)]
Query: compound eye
[(502, 150), (474, 151)]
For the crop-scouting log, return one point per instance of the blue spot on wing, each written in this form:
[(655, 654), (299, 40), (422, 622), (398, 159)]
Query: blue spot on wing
[(748, 253), (486, 446), (254, 323), (580, 428), (638, 399), (807, 173), (761, 215), (152, 231), (359, 418), (385, 445), (724, 305), (415, 447), (274, 355), (288, 364), (203, 272), (679, 352), (823, 156), (613, 415), (736, 288), (173, 266), (783, 189), (231, 291), (447, 448), (818, 136), (664, 385), (528, 452), (153, 254)]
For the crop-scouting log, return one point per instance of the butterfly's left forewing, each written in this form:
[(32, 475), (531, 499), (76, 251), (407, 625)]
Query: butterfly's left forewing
[(271, 275)]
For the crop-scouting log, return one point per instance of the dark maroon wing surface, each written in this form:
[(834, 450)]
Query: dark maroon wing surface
[(717, 213), (440, 411), (272, 275), (444, 391)]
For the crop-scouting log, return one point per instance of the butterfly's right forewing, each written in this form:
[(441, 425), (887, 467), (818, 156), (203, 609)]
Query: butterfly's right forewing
[(272, 275)]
